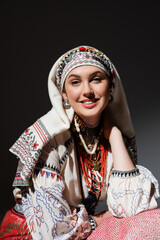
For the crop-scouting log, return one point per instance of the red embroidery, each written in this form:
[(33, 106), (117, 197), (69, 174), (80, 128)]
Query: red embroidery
[(27, 130), (74, 219), (42, 173), (53, 175), (35, 145), (39, 215), (40, 133), (31, 226), (119, 211)]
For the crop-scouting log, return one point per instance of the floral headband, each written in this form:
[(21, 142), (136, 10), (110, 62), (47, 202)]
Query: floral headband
[(81, 56)]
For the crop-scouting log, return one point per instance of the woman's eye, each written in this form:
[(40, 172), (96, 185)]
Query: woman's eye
[(97, 79), (75, 82)]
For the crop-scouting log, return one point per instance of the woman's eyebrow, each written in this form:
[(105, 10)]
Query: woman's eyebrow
[(93, 73), (73, 75)]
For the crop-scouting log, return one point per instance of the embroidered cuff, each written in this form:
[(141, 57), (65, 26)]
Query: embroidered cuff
[(125, 174)]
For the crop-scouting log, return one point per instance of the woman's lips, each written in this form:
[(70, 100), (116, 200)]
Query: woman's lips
[(89, 103)]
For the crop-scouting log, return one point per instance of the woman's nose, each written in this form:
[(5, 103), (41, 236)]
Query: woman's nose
[(88, 91)]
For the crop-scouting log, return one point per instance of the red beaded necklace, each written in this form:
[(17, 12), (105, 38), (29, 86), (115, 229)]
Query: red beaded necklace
[(92, 165), (94, 169)]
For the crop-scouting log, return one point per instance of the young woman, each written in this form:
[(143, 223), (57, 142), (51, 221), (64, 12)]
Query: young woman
[(80, 153)]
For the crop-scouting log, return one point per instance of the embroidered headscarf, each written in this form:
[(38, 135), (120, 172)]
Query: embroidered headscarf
[(29, 145), (81, 56)]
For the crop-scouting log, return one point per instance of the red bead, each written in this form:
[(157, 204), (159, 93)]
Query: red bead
[(82, 49)]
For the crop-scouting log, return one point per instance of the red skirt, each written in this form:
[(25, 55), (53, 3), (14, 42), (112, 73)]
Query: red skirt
[(14, 227)]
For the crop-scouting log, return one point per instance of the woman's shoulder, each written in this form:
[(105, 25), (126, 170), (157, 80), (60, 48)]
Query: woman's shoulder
[(55, 151)]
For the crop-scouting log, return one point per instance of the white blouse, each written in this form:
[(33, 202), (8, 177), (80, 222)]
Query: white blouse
[(54, 209)]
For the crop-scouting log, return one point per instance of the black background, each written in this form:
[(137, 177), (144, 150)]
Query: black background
[(35, 33)]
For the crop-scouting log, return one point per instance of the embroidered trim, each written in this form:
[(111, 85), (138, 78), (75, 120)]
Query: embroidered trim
[(42, 131), (47, 174), (41, 164), (64, 157), (28, 146), (125, 174), (68, 142), (66, 153), (18, 181)]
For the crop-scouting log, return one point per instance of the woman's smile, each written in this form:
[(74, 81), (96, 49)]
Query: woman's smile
[(87, 90), (89, 103)]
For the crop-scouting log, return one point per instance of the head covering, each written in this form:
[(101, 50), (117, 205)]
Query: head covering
[(118, 109), (28, 147), (81, 56)]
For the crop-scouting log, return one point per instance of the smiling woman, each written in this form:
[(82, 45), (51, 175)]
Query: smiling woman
[(87, 90), (80, 153)]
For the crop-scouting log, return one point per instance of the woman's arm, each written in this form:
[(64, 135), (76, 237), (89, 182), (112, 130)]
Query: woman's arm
[(131, 189), (121, 161), (47, 213), (100, 217), (121, 158)]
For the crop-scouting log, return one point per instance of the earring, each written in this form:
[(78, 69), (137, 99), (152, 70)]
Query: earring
[(66, 104)]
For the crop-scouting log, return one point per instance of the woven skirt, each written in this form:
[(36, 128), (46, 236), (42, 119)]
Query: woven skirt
[(143, 226)]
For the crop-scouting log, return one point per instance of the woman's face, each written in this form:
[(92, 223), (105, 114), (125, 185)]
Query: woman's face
[(87, 90)]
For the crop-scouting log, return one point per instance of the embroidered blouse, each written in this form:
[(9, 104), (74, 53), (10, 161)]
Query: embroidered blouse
[(53, 208)]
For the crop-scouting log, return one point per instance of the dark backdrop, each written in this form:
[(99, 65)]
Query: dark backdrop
[(35, 33)]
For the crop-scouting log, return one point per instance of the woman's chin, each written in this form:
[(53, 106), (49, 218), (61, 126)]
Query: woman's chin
[(91, 119)]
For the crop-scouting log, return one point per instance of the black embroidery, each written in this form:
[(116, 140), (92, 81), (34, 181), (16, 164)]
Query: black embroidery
[(64, 156), (68, 142), (66, 153), (126, 174), (41, 164)]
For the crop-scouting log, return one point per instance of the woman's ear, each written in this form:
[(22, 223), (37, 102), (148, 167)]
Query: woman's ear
[(66, 103), (64, 95)]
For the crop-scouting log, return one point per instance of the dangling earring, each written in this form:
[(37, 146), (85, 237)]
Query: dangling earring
[(66, 104)]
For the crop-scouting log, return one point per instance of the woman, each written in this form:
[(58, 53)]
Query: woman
[(78, 154)]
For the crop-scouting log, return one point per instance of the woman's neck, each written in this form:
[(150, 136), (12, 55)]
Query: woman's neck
[(87, 128), (90, 123)]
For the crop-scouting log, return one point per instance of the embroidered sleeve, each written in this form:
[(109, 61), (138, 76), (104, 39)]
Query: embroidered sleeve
[(132, 193), (47, 213)]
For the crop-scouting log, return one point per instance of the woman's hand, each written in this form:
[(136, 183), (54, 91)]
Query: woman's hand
[(121, 158), (100, 217)]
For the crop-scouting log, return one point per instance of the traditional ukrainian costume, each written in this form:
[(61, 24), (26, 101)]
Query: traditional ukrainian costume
[(66, 168)]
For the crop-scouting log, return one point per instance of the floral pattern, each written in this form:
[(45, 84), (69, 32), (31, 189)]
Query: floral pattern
[(48, 214)]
